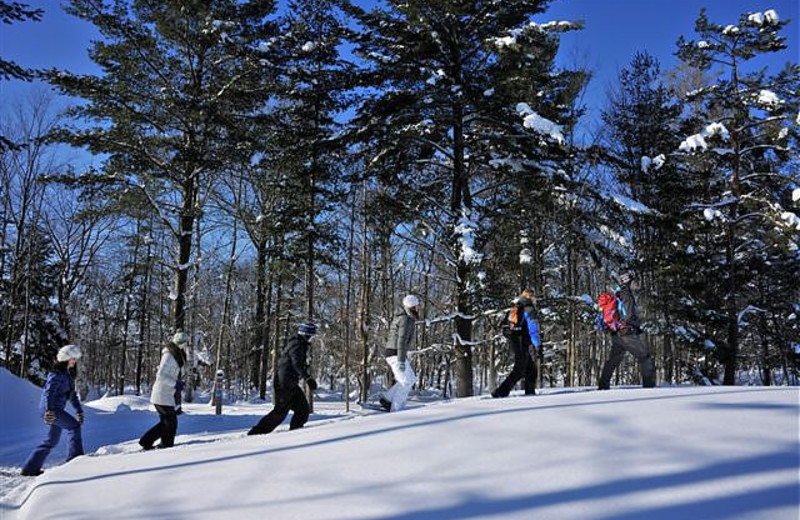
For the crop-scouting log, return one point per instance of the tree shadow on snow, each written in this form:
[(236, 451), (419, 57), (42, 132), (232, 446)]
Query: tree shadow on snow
[(713, 508), (767, 407)]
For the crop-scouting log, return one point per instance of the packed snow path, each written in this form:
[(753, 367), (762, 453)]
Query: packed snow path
[(663, 453)]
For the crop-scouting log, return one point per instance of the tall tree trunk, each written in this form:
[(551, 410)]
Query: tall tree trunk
[(185, 228), (257, 349), (461, 202), (225, 311), (364, 300), (144, 319), (264, 331)]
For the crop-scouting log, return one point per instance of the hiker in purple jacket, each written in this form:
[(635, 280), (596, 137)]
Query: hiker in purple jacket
[(58, 389)]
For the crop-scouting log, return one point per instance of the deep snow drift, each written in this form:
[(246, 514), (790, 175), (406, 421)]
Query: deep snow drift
[(666, 453)]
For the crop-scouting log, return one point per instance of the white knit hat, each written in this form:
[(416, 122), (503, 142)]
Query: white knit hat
[(68, 352), (410, 301), (180, 338)]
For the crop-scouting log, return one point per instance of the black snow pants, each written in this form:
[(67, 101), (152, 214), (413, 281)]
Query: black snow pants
[(165, 429), (291, 399), (634, 343), (524, 368)]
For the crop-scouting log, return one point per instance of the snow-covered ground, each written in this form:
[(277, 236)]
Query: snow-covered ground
[(666, 453)]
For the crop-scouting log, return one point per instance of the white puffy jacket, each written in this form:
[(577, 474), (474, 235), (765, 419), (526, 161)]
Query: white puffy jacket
[(164, 388)]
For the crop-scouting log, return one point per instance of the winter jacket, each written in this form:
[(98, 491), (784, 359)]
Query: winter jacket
[(532, 328), (58, 389), (527, 330), (292, 365), (630, 311), (401, 336), (169, 372)]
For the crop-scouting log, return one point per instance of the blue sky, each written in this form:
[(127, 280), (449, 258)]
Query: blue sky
[(614, 31)]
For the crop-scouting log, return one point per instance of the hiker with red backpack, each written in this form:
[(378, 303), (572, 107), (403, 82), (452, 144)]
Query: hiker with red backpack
[(522, 333), (620, 317)]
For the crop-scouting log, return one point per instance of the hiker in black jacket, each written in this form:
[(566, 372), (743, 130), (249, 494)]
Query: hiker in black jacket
[(522, 333), (629, 337), (292, 367)]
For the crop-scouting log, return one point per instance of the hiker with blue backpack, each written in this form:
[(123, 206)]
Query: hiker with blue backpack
[(620, 318), (58, 390), (522, 334)]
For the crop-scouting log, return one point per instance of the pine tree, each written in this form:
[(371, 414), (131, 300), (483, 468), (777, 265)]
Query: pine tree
[(642, 118), (314, 92), (742, 160), (467, 94), (179, 82)]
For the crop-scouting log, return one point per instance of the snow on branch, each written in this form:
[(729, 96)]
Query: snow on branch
[(693, 142), (768, 99), (539, 124), (657, 162), (511, 40), (465, 233), (769, 17), (631, 205), (791, 219), (457, 339), (745, 311), (449, 317)]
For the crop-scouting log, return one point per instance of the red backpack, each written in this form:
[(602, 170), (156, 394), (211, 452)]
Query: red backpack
[(610, 305)]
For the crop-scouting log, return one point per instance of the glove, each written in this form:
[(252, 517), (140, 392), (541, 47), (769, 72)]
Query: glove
[(179, 385), (49, 417), (402, 366), (311, 383), (81, 417)]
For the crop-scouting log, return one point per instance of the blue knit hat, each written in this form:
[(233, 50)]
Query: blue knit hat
[(307, 329)]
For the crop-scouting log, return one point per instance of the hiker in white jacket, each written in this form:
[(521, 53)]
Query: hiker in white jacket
[(168, 379)]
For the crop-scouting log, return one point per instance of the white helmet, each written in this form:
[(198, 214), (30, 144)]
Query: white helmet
[(410, 301)]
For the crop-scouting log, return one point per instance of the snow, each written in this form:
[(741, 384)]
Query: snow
[(698, 141), (525, 257), (465, 231), (768, 98), (309, 46), (796, 194), (539, 124), (771, 17), (702, 44), (791, 219), (554, 26), (630, 204), (730, 29), (657, 162), (710, 214), (565, 453)]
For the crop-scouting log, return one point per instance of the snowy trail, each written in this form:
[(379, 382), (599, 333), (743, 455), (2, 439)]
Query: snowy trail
[(626, 453)]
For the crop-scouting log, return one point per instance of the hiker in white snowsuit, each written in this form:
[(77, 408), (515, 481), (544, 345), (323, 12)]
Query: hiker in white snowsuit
[(168, 378), (401, 337)]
